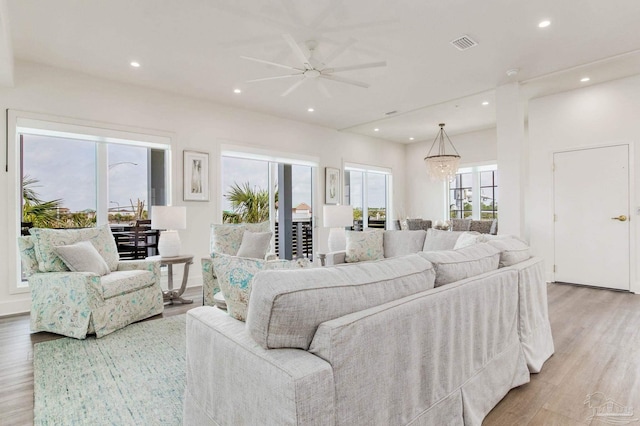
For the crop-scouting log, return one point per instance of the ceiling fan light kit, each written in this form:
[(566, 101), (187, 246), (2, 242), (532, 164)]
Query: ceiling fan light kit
[(314, 69), (440, 165)]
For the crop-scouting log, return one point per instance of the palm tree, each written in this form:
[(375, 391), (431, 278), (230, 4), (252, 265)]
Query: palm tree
[(249, 205), (42, 214)]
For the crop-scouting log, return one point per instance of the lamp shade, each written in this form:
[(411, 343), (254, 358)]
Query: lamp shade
[(169, 217), (337, 216)]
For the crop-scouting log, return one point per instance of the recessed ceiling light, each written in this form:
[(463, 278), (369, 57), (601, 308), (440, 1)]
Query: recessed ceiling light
[(135, 64), (485, 103), (544, 24), (585, 79), (237, 91), (376, 130), (411, 138), (310, 109)]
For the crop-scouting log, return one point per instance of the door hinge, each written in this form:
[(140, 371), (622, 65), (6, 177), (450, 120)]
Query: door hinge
[(555, 217), (553, 167), (554, 268)]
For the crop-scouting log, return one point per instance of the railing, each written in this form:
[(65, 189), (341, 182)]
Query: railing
[(371, 223), (302, 232)]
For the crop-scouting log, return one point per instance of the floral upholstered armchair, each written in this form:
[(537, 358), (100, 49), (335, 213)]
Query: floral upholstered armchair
[(79, 286)]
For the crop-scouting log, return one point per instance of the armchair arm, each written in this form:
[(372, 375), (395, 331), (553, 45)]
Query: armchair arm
[(141, 265), (209, 282), (61, 302), (333, 258)]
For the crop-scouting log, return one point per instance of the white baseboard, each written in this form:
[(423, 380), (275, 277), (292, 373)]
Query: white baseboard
[(14, 307)]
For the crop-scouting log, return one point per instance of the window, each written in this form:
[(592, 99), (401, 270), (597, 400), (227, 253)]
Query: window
[(250, 194), (366, 189), (473, 194), (72, 173)]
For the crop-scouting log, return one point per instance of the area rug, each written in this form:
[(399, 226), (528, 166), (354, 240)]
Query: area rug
[(134, 376)]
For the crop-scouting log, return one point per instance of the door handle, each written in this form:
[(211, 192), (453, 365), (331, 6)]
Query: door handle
[(621, 218)]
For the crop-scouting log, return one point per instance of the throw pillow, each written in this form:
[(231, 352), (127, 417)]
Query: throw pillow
[(467, 239), (363, 246), (45, 240), (235, 275), (82, 257), (512, 250), (226, 238), (254, 244)]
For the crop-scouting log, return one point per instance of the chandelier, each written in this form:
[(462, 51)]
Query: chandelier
[(440, 165)]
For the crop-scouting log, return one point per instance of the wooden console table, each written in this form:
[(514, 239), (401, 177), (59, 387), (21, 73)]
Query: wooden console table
[(172, 295)]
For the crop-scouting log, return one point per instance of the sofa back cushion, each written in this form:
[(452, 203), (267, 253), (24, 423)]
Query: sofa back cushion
[(440, 240), (512, 250), (226, 238), (45, 240), (286, 307), (401, 243), (455, 265)]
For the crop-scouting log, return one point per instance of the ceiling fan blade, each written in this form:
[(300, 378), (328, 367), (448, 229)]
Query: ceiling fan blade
[(275, 64), (273, 78), (293, 87), (297, 51), (356, 67), (323, 88), (339, 50), (344, 80)]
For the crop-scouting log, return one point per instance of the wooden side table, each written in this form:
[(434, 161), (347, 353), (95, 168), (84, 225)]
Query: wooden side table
[(172, 295)]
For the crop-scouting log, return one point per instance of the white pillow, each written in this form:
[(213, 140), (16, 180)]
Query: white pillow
[(82, 257), (456, 265), (363, 246), (254, 244), (467, 238)]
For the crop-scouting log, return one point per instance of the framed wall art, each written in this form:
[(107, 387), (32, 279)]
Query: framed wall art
[(332, 185), (196, 176)]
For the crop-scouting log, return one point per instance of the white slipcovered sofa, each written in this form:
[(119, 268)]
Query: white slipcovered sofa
[(424, 339)]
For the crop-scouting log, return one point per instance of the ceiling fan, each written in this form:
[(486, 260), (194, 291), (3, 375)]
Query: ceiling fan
[(314, 69)]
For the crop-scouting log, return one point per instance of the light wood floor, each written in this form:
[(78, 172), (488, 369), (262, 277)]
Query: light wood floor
[(596, 335)]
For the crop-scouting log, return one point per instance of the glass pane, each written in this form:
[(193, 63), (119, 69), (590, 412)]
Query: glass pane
[(128, 183), (245, 190), (354, 193), (466, 180), (58, 182), (376, 199), (486, 178)]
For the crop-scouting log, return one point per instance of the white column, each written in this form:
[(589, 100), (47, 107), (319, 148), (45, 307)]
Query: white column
[(511, 155)]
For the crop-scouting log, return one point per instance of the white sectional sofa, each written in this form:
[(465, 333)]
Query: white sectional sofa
[(372, 343)]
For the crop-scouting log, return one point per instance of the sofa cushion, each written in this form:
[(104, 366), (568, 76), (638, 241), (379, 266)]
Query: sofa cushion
[(235, 276), (481, 226), (363, 246), (512, 250), (286, 307), (440, 240), (45, 240), (455, 265), (226, 238), (255, 244), (460, 224), (401, 243), (82, 257), (467, 239), (122, 282)]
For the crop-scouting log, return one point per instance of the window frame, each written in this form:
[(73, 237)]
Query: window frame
[(476, 191), (365, 170)]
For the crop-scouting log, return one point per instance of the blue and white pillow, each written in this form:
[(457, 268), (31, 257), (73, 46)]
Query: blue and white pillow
[(235, 275)]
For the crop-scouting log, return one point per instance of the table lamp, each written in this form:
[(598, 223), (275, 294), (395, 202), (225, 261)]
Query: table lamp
[(169, 219), (337, 218)]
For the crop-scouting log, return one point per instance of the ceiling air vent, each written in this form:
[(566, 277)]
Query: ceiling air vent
[(463, 42)]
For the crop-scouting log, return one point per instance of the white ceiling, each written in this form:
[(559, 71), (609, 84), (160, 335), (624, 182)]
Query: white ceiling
[(193, 47)]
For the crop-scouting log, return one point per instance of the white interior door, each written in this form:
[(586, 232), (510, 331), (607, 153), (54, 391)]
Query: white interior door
[(591, 200)]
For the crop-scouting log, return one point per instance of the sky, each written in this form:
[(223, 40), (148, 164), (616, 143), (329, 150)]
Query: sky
[(66, 169)]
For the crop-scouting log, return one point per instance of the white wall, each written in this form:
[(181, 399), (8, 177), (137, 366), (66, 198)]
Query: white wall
[(197, 125), (596, 115), (425, 198)]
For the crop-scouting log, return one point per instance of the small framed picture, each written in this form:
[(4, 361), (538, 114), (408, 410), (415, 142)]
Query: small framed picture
[(196, 176), (332, 186)]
